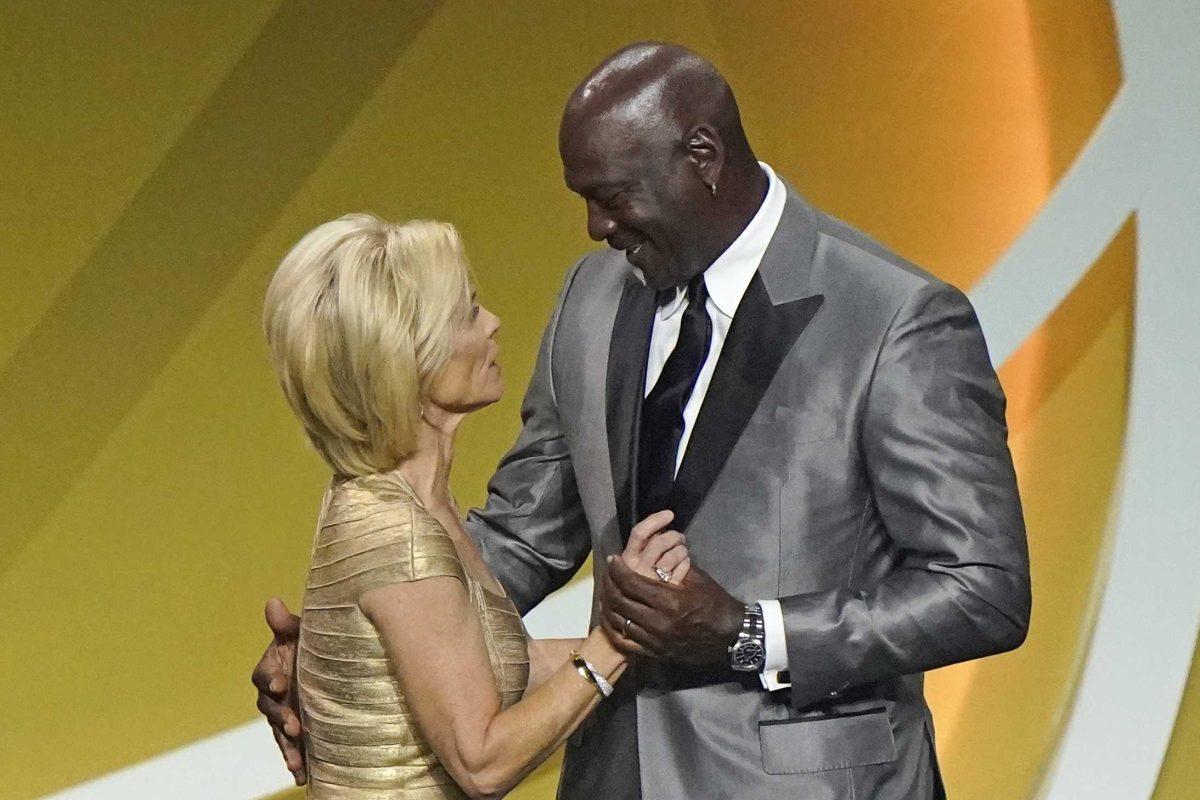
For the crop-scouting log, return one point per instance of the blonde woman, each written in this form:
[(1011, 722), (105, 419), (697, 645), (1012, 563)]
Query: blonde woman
[(416, 676)]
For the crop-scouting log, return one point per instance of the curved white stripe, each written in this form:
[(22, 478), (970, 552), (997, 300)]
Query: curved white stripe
[(1084, 212), (242, 762), (1146, 159)]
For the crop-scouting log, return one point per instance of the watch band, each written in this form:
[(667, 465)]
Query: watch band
[(749, 653)]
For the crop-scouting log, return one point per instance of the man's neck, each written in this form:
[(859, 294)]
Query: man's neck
[(745, 198)]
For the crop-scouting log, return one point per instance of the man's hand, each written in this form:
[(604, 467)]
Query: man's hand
[(278, 699), (694, 622)]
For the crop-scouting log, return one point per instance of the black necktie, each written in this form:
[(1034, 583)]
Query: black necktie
[(661, 428)]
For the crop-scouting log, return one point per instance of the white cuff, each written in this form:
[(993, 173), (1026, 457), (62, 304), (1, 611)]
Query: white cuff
[(775, 644)]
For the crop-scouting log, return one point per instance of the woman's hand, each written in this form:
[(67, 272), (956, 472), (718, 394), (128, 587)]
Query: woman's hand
[(652, 548)]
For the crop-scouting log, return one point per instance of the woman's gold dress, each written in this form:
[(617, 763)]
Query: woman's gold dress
[(361, 740)]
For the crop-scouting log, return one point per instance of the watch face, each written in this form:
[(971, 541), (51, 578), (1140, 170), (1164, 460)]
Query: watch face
[(748, 654)]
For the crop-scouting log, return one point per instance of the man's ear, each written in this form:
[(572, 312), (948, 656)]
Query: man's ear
[(706, 151)]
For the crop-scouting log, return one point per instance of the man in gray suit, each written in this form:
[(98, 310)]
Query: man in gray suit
[(824, 421)]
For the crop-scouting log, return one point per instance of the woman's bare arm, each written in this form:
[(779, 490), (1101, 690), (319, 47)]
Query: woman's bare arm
[(547, 655), (435, 642)]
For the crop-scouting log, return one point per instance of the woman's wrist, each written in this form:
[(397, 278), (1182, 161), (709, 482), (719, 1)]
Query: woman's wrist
[(600, 652)]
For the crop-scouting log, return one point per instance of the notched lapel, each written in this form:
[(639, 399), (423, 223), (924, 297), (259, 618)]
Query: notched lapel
[(628, 349), (760, 337)]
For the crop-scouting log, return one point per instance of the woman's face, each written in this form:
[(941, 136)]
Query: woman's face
[(471, 377)]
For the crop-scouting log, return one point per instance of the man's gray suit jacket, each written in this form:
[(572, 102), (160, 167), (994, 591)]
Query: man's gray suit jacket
[(850, 458)]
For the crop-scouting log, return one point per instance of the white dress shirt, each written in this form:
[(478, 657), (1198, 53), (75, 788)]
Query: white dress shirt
[(726, 280)]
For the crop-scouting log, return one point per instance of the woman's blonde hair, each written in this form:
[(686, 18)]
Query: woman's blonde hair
[(360, 316)]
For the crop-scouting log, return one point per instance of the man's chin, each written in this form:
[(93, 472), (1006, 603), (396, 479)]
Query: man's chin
[(658, 281), (654, 272), (654, 276)]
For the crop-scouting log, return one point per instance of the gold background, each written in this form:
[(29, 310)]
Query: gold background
[(160, 157)]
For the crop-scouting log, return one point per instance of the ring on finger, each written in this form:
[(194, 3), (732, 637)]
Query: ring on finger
[(625, 627), (663, 575)]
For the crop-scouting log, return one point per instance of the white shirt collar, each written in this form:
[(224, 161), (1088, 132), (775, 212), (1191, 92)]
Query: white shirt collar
[(727, 278)]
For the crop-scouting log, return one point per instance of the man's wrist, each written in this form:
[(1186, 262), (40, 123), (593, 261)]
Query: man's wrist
[(748, 653), (731, 624), (728, 626)]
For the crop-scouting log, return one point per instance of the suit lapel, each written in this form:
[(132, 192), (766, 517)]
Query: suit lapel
[(625, 383), (760, 336), (774, 311)]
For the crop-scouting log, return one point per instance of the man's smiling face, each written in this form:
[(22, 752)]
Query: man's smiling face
[(641, 194)]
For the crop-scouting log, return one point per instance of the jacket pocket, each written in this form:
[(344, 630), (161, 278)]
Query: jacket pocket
[(815, 744)]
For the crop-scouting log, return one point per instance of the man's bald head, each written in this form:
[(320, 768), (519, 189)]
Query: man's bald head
[(657, 92), (652, 140)]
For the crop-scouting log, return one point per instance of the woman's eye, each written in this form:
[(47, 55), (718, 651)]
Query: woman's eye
[(474, 311)]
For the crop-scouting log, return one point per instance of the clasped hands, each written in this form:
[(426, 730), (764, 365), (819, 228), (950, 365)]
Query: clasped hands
[(689, 618)]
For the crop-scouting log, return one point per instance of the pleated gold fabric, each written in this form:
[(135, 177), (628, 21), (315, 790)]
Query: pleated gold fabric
[(361, 741)]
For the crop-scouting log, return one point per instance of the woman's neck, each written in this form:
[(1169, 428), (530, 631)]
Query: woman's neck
[(427, 469)]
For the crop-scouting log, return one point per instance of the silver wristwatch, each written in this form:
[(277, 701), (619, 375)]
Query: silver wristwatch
[(749, 652)]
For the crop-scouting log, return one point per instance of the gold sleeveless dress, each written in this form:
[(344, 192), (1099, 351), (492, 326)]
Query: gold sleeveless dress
[(361, 741)]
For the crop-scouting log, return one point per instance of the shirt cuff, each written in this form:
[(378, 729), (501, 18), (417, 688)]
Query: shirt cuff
[(775, 644)]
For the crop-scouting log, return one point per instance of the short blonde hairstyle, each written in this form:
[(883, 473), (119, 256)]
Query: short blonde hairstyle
[(360, 316)]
